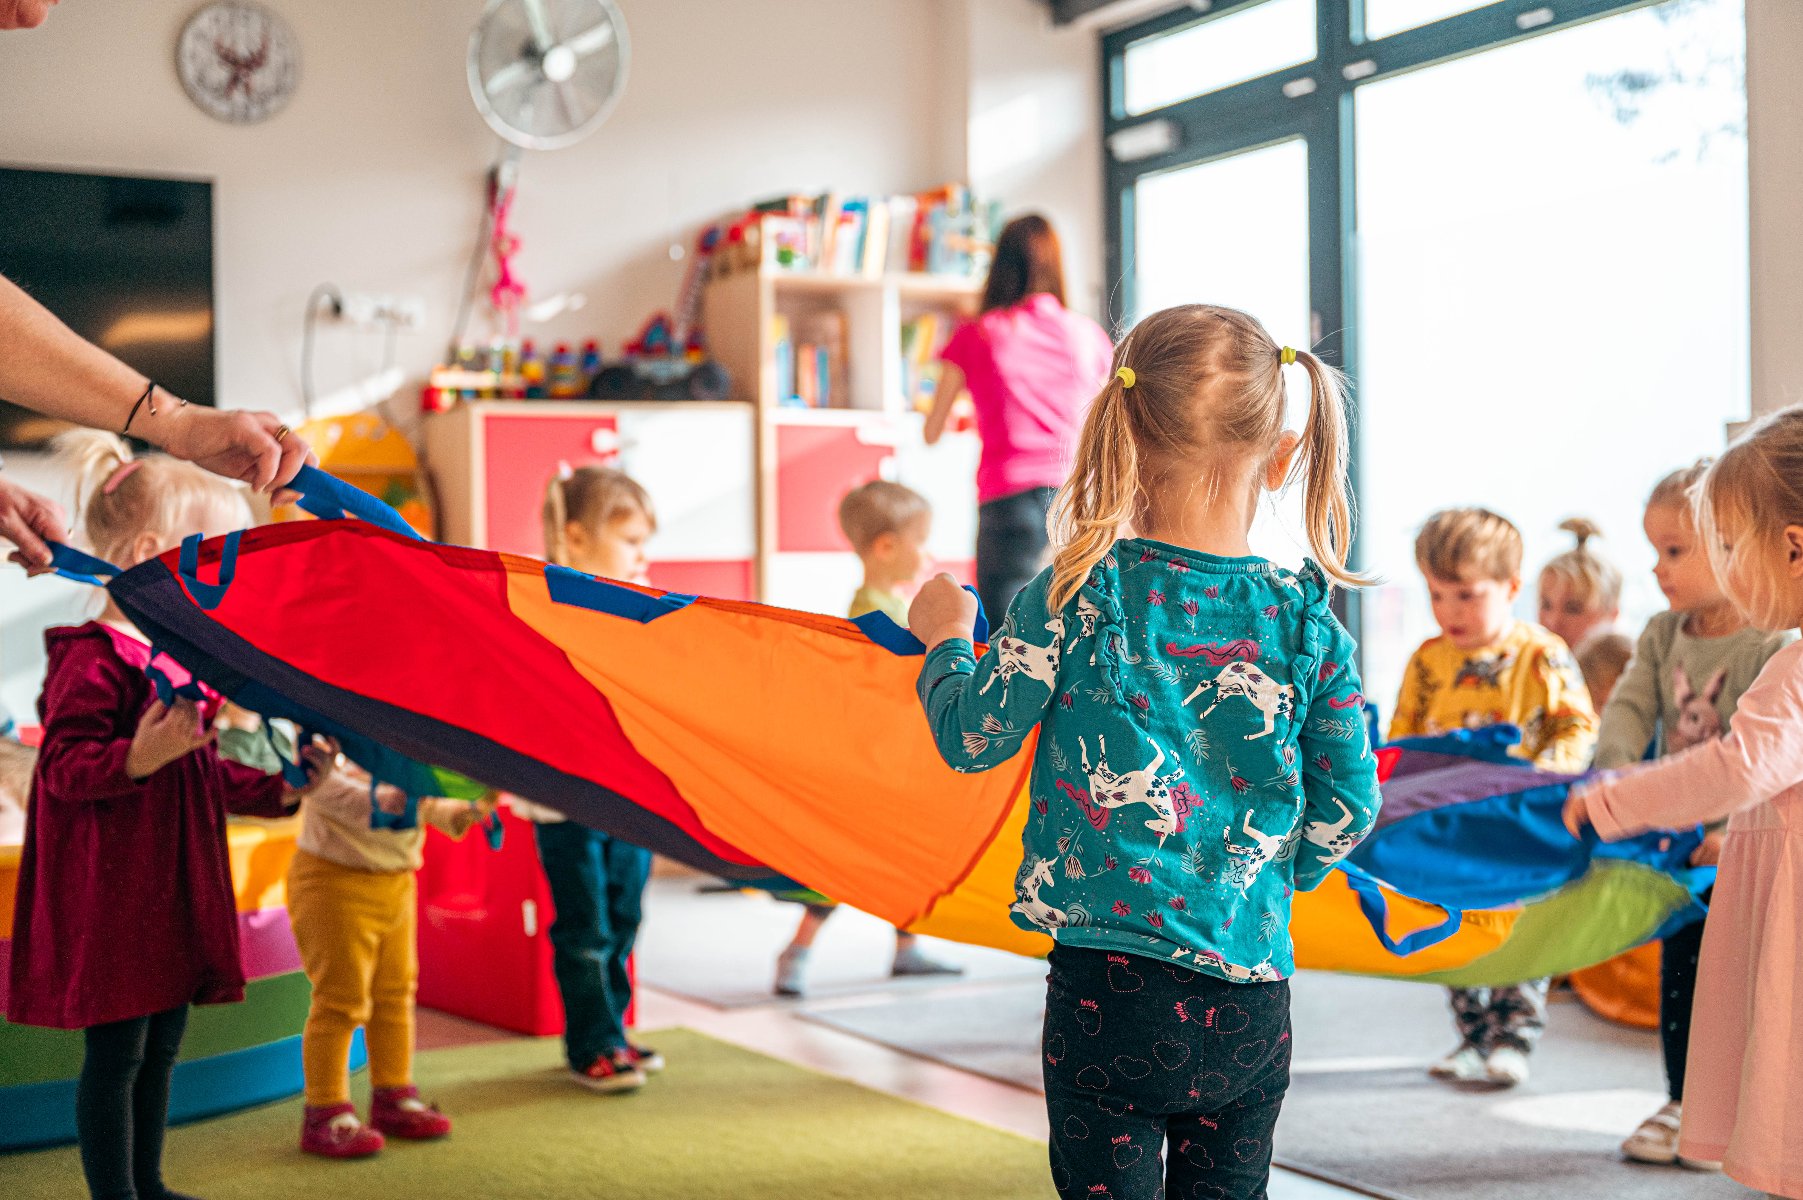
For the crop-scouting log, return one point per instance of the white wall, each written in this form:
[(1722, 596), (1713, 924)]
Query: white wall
[(1775, 169), (372, 178), (1035, 119)]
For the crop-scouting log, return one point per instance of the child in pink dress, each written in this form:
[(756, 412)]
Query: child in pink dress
[(1744, 1095)]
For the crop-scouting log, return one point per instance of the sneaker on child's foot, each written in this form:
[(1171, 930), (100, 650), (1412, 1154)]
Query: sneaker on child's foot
[(791, 971), (1461, 1066), (333, 1131), (912, 960), (399, 1112), (646, 1059), (1507, 1066), (614, 1072)]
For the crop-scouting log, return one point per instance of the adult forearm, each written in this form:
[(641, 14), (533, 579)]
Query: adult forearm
[(49, 368)]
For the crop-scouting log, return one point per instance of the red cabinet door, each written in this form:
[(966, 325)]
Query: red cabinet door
[(815, 466), (520, 456)]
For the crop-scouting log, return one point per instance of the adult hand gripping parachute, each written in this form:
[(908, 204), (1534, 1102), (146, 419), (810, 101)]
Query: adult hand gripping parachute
[(780, 749)]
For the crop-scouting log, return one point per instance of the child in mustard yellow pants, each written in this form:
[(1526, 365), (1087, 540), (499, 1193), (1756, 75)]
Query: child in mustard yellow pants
[(351, 900)]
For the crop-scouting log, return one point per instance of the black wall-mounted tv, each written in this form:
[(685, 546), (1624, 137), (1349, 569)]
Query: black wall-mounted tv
[(126, 262)]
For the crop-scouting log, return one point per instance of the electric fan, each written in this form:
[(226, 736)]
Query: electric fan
[(545, 73)]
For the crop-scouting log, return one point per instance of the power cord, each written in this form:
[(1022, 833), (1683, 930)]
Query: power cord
[(325, 291)]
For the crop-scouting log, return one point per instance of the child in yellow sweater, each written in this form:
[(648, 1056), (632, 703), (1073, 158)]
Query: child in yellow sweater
[(1487, 668)]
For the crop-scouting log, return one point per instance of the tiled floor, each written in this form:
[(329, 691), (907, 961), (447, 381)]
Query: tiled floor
[(776, 1030)]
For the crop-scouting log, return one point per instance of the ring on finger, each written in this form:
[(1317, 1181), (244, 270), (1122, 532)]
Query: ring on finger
[(281, 432)]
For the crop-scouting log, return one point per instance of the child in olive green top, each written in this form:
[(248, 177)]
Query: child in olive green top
[(887, 524), (1692, 666)]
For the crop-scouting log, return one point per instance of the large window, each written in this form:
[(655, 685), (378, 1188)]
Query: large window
[(1526, 238)]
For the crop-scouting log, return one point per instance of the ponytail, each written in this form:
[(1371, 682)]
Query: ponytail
[(589, 497), (93, 458), (1326, 450), (120, 498), (1098, 498), (557, 516)]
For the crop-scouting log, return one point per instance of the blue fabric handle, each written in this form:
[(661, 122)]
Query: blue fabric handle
[(881, 628), (331, 499), (293, 773), (572, 587), (166, 688), (1377, 912), (406, 819), (80, 566), (208, 595), (981, 632)]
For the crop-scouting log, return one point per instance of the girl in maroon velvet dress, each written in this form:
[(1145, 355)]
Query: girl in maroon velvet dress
[(125, 912)]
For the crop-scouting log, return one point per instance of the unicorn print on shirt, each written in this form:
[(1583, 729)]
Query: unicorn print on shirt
[(1269, 697), (1334, 838), (1017, 657), (1037, 875), (1111, 789), (1247, 861)]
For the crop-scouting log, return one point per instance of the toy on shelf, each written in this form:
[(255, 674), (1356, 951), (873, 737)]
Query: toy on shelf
[(366, 451), (668, 360)]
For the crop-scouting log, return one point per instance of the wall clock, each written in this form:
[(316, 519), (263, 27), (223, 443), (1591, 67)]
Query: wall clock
[(238, 61)]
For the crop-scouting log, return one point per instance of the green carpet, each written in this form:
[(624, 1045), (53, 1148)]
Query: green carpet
[(721, 1122)]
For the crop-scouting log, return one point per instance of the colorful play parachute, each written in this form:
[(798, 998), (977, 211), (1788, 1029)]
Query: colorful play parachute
[(778, 748)]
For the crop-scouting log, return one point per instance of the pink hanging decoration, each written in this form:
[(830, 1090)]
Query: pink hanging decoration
[(508, 293)]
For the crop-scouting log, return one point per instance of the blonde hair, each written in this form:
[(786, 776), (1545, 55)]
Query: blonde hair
[(592, 497), (1207, 385), (1679, 489), (1746, 500), (1461, 543), (1595, 582), (870, 510), (121, 498)]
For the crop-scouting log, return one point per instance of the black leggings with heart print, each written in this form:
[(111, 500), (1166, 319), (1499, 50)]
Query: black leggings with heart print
[(1159, 1081)]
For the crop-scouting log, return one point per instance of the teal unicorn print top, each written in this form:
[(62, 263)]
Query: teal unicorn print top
[(1202, 752)]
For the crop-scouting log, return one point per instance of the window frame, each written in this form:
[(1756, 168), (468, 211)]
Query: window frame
[(1257, 112)]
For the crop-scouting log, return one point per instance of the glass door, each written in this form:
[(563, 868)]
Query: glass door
[(1233, 231)]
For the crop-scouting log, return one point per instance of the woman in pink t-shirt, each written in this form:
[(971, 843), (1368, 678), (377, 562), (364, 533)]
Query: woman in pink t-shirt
[(1032, 366)]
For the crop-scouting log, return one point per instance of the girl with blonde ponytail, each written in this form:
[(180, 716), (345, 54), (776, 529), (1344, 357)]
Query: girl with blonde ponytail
[(124, 914), (1198, 712), (597, 521)]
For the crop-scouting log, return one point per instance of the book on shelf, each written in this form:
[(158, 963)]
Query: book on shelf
[(943, 231), (810, 360), (921, 340)]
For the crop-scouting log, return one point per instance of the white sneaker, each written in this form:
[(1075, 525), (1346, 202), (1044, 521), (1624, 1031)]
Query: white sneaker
[(1461, 1066), (1506, 1067), (1656, 1141)]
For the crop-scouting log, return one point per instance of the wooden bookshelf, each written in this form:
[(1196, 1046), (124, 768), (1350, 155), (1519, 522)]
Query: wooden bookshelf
[(738, 311)]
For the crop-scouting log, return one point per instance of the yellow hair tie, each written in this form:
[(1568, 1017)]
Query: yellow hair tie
[(1286, 355), (1126, 376)]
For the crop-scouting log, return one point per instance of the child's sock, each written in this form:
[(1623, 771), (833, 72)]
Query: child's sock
[(910, 959), (792, 970)]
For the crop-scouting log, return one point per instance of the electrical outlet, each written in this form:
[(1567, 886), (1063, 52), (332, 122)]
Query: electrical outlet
[(366, 311), (358, 308), (408, 312)]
